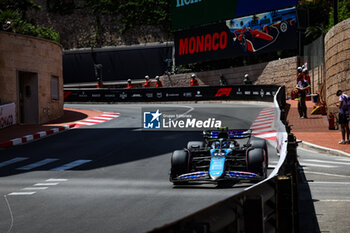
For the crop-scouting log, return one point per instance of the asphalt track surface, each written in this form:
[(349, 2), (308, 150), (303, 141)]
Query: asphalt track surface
[(110, 177)]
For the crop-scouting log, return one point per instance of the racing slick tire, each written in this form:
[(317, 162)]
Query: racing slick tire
[(256, 162), (261, 143), (180, 164), (195, 145)]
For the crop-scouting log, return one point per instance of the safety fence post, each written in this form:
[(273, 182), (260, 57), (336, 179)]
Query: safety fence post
[(284, 208), (254, 215)]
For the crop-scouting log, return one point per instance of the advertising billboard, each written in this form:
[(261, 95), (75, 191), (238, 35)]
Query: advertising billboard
[(242, 36), (189, 13)]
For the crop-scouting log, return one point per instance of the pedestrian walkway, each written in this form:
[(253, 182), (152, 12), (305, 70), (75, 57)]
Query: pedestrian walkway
[(319, 176), (314, 129)]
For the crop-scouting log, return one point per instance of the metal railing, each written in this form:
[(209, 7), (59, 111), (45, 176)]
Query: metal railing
[(269, 206)]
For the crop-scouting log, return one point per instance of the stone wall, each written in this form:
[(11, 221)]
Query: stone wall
[(279, 72), (19, 53), (77, 30), (337, 61)]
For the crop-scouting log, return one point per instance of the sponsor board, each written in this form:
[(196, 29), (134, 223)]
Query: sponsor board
[(189, 13), (7, 115), (260, 33)]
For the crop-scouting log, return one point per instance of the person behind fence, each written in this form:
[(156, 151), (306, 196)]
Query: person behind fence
[(129, 85), (344, 105), (194, 81), (158, 82), (246, 80), (222, 81), (302, 87), (147, 82)]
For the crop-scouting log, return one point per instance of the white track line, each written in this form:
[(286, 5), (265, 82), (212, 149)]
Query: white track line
[(37, 164), (71, 165), (328, 162), (12, 161), (46, 184), (21, 193)]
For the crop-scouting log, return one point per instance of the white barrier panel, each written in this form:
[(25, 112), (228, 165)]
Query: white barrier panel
[(7, 115)]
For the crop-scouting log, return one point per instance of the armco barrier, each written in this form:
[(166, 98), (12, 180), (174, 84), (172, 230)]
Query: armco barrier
[(236, 92), (269, 206)]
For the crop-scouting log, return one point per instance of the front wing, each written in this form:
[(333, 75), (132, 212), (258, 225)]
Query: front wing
[(203, 176)]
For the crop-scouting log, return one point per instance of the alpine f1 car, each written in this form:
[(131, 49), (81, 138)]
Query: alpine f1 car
[(220, 159)]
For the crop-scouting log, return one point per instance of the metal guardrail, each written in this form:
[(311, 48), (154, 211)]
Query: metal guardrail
[(269, 206)]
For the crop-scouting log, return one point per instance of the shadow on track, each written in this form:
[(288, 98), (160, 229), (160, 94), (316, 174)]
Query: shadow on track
[(103, 146), (307, 215)]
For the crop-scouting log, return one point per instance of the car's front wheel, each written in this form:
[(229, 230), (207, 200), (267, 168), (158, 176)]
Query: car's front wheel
[(256, 162), (180, 164)]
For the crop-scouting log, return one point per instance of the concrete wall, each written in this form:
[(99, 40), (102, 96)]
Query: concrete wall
[(19, 53), (337, 61), (279, 72)]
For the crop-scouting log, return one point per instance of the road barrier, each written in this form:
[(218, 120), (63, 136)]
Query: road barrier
[(235, 92), (269, 206)]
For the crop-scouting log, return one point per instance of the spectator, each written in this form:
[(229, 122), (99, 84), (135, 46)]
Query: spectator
[(300, 74), (147, 83), (129, 86), (194, 81), (158, 82), (302, 88), (343, 104), (246, 80), (7, 26), (222, 80)]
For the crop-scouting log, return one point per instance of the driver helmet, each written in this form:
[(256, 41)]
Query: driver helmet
[(225, 144), (215, 145)]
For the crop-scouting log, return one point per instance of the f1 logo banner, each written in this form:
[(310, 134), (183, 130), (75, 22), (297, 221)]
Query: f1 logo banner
[(260, 33), (223, 92)]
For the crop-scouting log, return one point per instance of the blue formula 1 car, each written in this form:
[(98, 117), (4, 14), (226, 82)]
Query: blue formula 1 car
[(220, 159)]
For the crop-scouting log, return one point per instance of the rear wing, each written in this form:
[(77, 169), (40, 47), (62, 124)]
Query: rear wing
[(231, 134)]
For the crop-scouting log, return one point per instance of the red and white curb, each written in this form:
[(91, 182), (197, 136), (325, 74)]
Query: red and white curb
[(106, 116), (263, 125)]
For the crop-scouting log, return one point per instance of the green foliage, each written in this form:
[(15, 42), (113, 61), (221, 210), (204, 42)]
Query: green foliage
[(130, 13), (144, 12), (18, 25), (343, 13), (21, 6), (63, 7)]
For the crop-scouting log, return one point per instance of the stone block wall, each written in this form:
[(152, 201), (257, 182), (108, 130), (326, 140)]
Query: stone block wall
[(337, 61), (78, 30), (19, 53), (279, 72)]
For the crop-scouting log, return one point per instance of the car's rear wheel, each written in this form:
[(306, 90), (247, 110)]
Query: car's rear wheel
[(180, 164), (256, 162), (262, 144)]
